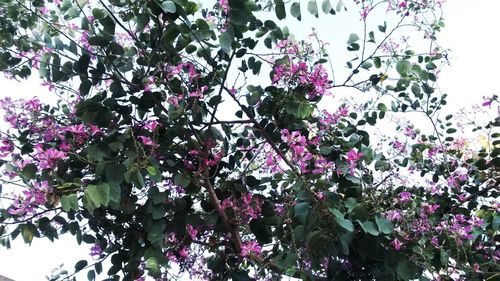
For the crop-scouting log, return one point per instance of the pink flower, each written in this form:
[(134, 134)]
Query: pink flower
[(250, 247), (147, 141), (152, 125), (183, 252), (48, 158), (352, 157), (224, 4), (364, 13), (191, 231), (396, 244), (198, 93), (171, 257)]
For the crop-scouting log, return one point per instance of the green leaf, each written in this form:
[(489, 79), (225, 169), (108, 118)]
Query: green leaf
[(312, 7), (155, 232), (382, 107), (169, 7), (353, 37), (280, 9), (404, 271), (384, 225), (153, 267), (225, 41), (369, 227), (115, 173), (142, 21), (346, 224), (28, 231), (182, 180), (115, 192), (382, 28), (69, 202), (326, 6), (377, 62), (80, 265), (261, 231), (91, 275), (98, 13), (302, 211), (403, 67), (151, 170), (29, 171), (98, 194), (295, 10), (339, 218)]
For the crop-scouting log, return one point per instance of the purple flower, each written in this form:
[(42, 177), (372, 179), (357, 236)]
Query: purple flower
[(250, 247), (96, 250), (404, 197)]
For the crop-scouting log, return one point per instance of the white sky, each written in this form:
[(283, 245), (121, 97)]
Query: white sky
[(471, 33)]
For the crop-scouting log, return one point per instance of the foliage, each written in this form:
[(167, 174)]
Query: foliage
[(142, 162)]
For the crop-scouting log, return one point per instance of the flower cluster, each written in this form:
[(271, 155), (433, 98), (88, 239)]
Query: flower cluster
[(245, 208), (30, 199)]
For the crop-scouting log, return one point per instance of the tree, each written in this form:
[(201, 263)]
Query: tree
[(141, 159)]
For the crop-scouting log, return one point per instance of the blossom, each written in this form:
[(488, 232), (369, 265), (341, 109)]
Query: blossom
[(394, 215), (404, 197), (191, 231), (352, 157), (224, 4), (152, 125), (396, 144), (364, 13), (33, 197), (47, 159), (396, 244), (198, 93), (147, 141), (250, 247), (96, 250)]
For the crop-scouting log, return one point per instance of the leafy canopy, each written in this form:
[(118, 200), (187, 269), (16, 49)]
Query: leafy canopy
[(172, 150)]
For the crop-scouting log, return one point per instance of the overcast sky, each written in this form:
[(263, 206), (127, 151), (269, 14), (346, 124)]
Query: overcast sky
[(471, 33)]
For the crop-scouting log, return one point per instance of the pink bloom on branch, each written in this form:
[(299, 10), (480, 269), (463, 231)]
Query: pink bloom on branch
[(147, 141), (353, 155), (364, 13), (48, 158), (396, 244), (250, 247), (352, 158)]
